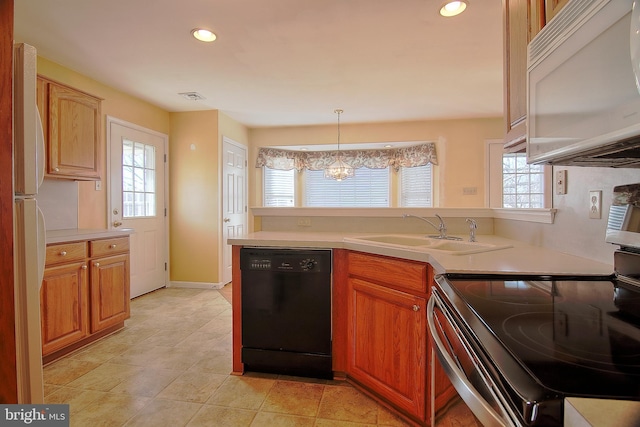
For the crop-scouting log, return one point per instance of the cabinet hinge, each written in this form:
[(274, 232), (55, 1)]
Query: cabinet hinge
[(165, 266), (165, 158)]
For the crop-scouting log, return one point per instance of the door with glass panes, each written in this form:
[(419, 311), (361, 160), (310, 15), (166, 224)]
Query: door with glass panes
[(137, 200)]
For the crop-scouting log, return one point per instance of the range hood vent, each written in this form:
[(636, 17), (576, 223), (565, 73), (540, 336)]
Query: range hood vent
[(621, 154)]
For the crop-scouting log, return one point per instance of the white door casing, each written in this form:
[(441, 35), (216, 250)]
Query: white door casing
[(149, 240), (234, 199)]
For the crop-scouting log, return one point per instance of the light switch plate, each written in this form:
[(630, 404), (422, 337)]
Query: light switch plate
[(561, 182), (595, 204)]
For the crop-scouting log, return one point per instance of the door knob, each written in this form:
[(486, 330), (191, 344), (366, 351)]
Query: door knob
[(227, 219), (117, 223)]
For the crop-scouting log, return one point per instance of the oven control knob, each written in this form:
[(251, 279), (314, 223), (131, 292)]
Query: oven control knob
[(308, 264)]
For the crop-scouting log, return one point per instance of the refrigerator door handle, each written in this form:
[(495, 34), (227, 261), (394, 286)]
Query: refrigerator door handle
[(40, 151), (42, 247)]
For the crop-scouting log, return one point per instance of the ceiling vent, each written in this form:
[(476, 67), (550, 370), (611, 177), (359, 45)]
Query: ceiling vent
[(192, 96)]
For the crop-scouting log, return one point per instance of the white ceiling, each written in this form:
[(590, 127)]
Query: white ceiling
[(282, 62)]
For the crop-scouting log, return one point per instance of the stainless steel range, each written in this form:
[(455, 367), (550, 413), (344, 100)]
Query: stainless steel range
[(516, 346)]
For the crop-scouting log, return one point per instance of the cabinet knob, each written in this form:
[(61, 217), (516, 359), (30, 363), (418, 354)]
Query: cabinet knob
[(416, 307), (56, 169), (63, 253), (112, 246), (84, 267), (96, 264)]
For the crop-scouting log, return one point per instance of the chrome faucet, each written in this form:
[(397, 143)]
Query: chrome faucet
[(442, 228), (473, 226)]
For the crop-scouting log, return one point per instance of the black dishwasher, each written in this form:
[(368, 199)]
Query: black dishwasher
[(286, 311)]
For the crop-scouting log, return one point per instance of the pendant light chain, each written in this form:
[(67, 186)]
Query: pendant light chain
[(338, 111), (339, 170)]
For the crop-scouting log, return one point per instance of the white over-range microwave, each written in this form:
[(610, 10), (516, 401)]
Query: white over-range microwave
[(583, 81)]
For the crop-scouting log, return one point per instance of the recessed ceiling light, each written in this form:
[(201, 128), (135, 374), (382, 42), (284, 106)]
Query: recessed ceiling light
[(203, 35), (453, 8)]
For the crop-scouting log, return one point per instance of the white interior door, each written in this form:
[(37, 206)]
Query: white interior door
[(234, 194), (137, 185)]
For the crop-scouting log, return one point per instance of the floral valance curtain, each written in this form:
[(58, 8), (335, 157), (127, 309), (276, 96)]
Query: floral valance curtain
[(416, 155)]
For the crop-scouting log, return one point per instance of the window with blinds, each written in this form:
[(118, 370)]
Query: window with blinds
[(279, 187), (368, 188), (416, 186)]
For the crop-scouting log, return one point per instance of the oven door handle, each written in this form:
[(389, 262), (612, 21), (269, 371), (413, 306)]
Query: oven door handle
[(480, 408)]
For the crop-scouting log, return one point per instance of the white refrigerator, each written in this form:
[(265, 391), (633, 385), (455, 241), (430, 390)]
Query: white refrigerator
[(29, 230)]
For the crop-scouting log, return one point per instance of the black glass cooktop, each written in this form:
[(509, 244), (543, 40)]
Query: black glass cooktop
[(574, 336)]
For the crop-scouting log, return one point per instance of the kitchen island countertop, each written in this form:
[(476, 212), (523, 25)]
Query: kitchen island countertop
[(519, 258)]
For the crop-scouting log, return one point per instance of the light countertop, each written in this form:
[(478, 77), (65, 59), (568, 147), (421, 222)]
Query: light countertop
[(75, 234), (582, 412), (519, 258)]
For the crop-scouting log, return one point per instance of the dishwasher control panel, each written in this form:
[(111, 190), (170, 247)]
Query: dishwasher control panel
[(286, 260)]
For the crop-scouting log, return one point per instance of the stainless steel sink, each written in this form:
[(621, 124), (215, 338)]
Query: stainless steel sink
[(427, 244)]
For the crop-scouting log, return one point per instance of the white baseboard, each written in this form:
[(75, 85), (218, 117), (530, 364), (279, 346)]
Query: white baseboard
[(196, 285)]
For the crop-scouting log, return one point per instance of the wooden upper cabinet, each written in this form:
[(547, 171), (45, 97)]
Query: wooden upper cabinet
[(552, 7), (71, 123), (522, 20)]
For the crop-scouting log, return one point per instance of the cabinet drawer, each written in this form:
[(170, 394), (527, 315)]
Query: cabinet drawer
[(66, 252), (109, 246), (390, 271)]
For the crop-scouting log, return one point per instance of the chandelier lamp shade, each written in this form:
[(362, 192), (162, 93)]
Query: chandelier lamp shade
[(339, 170)]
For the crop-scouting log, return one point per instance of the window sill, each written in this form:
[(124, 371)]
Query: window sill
[(542, 216)]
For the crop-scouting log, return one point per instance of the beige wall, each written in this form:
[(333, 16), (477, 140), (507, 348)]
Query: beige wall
[(460, 149), (92, 212), (194, 196)]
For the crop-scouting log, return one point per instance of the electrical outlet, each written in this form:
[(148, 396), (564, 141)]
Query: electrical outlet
[(304, 222), (595, 204), (561, 182)]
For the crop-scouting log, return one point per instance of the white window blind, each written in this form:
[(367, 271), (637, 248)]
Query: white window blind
[(416, 186), (279, 188), (368, 188)]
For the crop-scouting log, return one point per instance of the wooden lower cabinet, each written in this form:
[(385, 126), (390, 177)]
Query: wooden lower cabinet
[(388, 344), (85, 293), (109, 291), (389, 351), (64, 306)]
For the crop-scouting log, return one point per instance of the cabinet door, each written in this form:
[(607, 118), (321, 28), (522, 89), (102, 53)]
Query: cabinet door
[(552, 7), (523, 19), (388, 344), (74, 148), (109, 291), (63, 306)]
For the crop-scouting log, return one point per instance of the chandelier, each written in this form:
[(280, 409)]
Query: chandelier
[(339, 170)]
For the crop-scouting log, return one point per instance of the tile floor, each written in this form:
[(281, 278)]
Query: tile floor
[(170, 367)]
